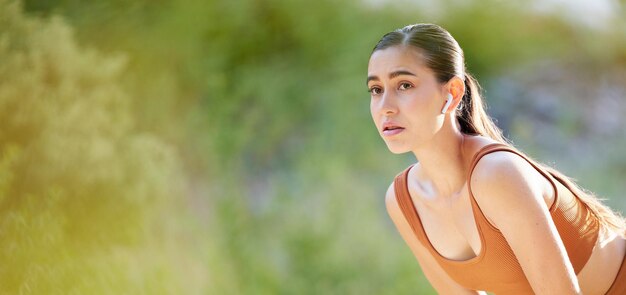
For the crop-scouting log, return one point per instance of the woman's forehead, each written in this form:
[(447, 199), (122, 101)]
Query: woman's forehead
[(395, 58)]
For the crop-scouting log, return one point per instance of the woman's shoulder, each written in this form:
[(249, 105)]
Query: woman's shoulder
[(491, 161), (472, 144), (499, 165), (501, 179)]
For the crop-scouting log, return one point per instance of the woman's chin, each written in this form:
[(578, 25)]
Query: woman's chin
[(397, 149)]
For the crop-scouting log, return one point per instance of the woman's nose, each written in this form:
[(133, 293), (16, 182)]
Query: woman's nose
[(388, 103)]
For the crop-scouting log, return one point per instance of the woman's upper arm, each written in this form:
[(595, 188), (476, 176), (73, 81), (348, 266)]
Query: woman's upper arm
[(438, 278), (509, 191)]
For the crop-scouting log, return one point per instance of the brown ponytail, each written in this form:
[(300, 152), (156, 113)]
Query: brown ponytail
[(472, 116), (444, 56)]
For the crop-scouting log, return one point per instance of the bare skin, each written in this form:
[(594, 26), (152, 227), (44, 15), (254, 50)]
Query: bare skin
[(406, 94)]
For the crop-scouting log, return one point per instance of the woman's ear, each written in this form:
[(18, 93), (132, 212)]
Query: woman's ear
[(456, 87)]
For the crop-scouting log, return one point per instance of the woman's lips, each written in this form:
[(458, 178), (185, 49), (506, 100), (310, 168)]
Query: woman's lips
[(390, 132)]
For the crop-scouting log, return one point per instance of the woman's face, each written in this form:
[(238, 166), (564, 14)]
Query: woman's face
[(406, 99)]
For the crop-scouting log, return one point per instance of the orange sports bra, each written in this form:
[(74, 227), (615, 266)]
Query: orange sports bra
[(496, 268)]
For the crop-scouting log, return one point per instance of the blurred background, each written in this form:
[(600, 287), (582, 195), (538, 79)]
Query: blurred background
[(226, 147)]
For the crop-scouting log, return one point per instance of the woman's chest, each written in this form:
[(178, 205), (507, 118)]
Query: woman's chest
[(450, 223), (450, 226)]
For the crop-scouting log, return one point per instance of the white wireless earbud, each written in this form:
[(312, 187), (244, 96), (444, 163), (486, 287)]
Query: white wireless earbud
[(448, 102)]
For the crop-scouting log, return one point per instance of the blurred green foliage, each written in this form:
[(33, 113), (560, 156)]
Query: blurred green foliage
[(82, 190), (226, 147)]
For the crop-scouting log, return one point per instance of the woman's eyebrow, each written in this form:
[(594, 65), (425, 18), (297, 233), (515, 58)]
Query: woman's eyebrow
[(391, 75)]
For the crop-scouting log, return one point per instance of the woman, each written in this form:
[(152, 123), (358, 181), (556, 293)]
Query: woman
[(478, 214)]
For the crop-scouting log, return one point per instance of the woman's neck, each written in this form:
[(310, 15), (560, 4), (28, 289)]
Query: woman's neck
[(442, 170)]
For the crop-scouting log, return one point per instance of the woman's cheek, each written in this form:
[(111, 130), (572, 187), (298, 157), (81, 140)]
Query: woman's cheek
[(414, 101)]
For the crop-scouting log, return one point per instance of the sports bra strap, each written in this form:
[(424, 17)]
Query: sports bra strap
[(406, 205)]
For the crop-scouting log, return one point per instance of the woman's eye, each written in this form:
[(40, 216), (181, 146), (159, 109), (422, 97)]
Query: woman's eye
[(405, 86), (374, 90)]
